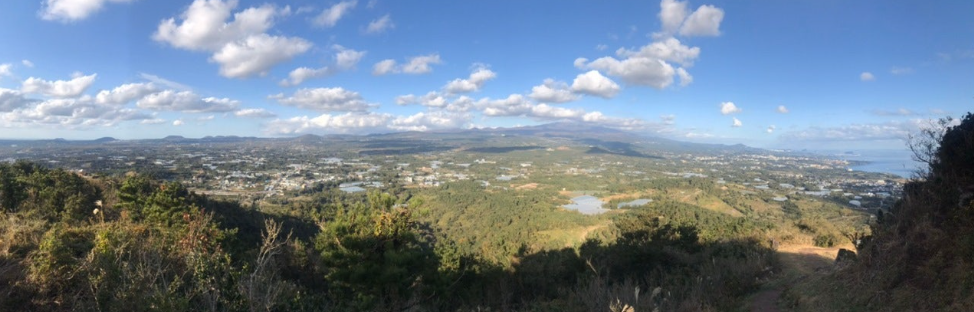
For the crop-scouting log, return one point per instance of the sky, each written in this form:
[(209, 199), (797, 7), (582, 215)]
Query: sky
[(799, 74)]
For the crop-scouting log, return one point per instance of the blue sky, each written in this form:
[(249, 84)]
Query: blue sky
[(777, 74)]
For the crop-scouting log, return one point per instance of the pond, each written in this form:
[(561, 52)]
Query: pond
[(586, 204)]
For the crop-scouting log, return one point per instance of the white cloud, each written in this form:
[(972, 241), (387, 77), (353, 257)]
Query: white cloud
[(344, 59), (177, 122), (186, 101), (72, 10), (601, 47), (705, 21), (241, 47), (257, 54), (13, 99), (327, 123), (5, 70), (254, 113), (867, 76), (415, 65), (125, 93), (204, 25), (59, 88), (671, 14), (431, 99), (771, 129), (477, 78), (668, 49), (380, 25), (685, 78), (330, 16), (782, 109), (70, 113), (165, 82), (901, 70), (383, 67), (152, 121), (27, 63), (425, 121), (552, 91), (347, 58), (325, 100), (728, 108), (737, 123), (513, 105), (421, 64), (302, 74), (593, 83), (649, 65), (892, 130)]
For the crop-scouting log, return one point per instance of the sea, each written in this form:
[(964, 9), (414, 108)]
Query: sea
[(898, 162)]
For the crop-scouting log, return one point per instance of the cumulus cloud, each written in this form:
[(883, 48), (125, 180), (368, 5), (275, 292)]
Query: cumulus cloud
[(425, 121), (867, 76), (415, 65), (705, 21), (649, 65), (125, 93), (185, 101), (255, 55), (685, 78), (69, 113), (325, 100), (59, 88), (593, 83), (671, 14), (241, 47), (12, 99), (728, 108), (383, 67), (737, 123), (380, 25), (477, 78), (431, 99), (5, 70), (27, 63), (302, 74), (658, 63), (552, 91), (254, 113), (330, 16), (782, 109), (177, 122), (72, 10), (344, 59), (347, 58), (328, 123), (421, 64), (771, 129)]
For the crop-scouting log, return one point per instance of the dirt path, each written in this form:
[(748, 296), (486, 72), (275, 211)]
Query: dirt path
[(797, 262)]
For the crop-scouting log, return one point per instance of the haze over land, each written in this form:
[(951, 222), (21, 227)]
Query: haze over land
[(796, 74)]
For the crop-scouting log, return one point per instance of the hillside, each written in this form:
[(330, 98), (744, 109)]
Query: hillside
[(920, 256)]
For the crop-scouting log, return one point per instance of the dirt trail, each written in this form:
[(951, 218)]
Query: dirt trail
[(797, 262)]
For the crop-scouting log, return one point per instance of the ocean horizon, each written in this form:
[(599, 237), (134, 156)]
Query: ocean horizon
[(897, 162)]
